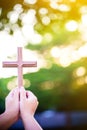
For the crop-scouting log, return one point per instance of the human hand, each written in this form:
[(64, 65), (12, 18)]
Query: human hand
[(28, 103), (12, 104), (24, 102)]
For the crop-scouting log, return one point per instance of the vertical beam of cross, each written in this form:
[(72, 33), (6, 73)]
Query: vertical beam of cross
[(20, 64)]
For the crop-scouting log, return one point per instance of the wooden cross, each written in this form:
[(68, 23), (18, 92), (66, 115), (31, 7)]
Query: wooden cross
[(20, 64)]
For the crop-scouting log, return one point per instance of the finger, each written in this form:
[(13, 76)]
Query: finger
[(28, 94), (31, 96), (22, 93), (11, 93), (16, 93)]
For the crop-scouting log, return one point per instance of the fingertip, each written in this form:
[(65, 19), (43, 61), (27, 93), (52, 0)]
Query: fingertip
[(22, 93), (21, 88), (16, 89)]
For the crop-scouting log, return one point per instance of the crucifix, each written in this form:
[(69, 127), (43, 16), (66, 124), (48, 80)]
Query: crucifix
[(20, 64)]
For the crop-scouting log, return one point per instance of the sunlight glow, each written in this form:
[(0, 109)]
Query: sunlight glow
[(27, 30), (18, 36), (43, 11), (36, 39), (61, 7), (13, 16), (71, 25), (83, 10), (64, 8), (8, 54), (65, 61), (30, 1), (63, 55), (67, 55), (83, 27), (46, 20), (48, 37), (30, 35), (54, 5), (12, 84), (26, 83), (29, 17), (26, 34), (82, 51), (86, 79), (55, 52), (84, 19), (80, 81), (80, 71), (6, 44), (18, 8), (47, 85), (73, 0)]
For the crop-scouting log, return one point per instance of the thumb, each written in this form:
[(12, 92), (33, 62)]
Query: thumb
[(22, 93), (15, 93)]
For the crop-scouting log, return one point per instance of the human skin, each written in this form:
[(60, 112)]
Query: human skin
[(11, 113), (20, 104), (28, 106)]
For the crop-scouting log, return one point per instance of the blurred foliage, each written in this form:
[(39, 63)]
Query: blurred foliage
[(56, 87)]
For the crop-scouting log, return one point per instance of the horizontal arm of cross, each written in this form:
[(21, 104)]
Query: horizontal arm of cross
[(15, 64), (20, 64), (10, 64), (29, 64)]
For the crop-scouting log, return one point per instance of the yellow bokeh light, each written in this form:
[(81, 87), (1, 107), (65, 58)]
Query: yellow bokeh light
[(73, 0), (83, 10), (29, 17), (43, 11), (71, 25), (30, 1), (80, 82), (48, 37), (13, 16), (46, 20), (80, 71), (65, 61), (12, 84), (82, 51), (86, 79), (55, 52), (84, 19), (64, 7), (18, 8), (47, 85), (26, 83)]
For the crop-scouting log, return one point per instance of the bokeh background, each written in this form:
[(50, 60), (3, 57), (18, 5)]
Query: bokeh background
[(54, 33)]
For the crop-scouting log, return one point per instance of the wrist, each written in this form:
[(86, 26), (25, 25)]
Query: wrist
[(26, 116), (11, 117), (6, 120)]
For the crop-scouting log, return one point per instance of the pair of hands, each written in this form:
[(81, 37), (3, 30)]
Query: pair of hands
[(20, 103)]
